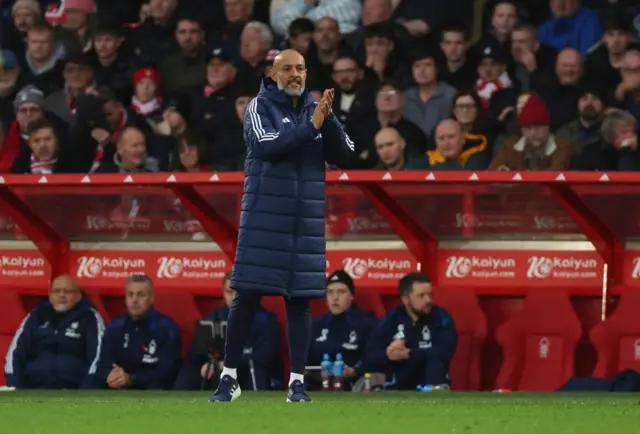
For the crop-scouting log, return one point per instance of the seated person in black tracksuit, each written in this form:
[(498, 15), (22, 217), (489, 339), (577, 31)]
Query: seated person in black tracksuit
[(343, 330), (415, 342), (140, 349), (261, 348)]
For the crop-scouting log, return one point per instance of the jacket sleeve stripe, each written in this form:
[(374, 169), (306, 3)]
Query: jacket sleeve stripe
[(256, 123), (100, 330), (8, 367)]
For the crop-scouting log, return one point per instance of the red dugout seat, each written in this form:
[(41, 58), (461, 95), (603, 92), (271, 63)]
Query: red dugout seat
[(617, 339), (182, 308), (471, 325), (539, 343), (11, 316), (94, 297)]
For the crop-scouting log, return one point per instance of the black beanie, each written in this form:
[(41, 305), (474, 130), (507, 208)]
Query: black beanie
[(342, 277)]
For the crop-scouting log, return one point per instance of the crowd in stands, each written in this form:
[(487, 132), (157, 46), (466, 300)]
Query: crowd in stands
[(64, 343), (107, 86)]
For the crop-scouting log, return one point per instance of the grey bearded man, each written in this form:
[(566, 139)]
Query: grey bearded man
[(281, 242)]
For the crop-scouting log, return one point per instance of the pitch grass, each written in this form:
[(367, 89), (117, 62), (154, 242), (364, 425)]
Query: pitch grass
[(70, 412)]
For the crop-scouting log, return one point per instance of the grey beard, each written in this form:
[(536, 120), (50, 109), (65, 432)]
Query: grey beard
[(291, 92), (534, 156)]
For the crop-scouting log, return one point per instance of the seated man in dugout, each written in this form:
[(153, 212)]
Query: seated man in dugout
[(261, 351), (141, 349), (58, 344), (414, 342)]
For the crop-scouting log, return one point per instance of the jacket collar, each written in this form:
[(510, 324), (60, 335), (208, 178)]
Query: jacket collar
[(549, 148), (148, 320)]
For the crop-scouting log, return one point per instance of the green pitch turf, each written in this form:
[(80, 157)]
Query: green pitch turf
[(70, 412)]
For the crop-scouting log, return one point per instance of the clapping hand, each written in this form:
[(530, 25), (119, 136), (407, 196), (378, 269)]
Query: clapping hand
[(323, 109)]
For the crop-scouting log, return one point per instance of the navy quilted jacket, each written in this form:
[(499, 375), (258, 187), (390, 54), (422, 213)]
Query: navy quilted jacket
[(281, 243)]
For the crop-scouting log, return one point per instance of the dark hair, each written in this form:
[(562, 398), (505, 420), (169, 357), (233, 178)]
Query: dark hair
[(478, 124), (300, 26), (455, 29), (349, 56), (40, 124), (405, 285), (191, 19), (140, 278), (190, 140), (42, 26)]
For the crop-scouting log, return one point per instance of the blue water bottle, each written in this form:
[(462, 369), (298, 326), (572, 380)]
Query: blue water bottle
[(338, 373), (326, 369)]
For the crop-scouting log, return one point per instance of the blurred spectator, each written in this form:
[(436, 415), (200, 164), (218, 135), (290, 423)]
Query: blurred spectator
[(57, 346), (141, 349), (353, 97), (76, 31), (628, 91), (493, 77), (329, 45), (430, 101), (537, 148), (45, 157), (78, 77), (455, 151), (503, 20), (9, 86), (467, 110), (344, 330), (190, 155), (460, 68), (131, 154), (237, 13), (186, 67), (255, 43), (604, 63), (261, 348), (415, 342), (113, 66), (532, 59), (44, 60), (26, 13), (380, 53), (571, 25), (146, 100), (346, 13), (390, 148), (619, 147), (389, 105), (562, 93), (154, 37), (300, 35), (586, 128)]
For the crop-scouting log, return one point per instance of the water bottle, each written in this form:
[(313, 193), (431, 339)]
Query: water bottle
[(326, 368), (367, 382), (338, 373)]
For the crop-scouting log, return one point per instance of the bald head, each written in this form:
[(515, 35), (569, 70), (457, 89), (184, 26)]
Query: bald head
[(132, 148), (390, 148), (289, 72), (569, 66), (449, 139), (64, 294)]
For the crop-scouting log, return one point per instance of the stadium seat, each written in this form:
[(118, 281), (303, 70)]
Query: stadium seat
[(94, 296), (276, 305), (539, 343), (182, 308), (617, 339), (318, 307), (471, 324), (369, 299), (11, 316)]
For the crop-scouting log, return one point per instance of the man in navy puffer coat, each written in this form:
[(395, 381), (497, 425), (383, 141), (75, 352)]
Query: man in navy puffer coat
[(281, 243)]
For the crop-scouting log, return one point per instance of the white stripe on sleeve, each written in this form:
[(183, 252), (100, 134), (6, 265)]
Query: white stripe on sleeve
[(8, 367), (100, 327), (256, 123)]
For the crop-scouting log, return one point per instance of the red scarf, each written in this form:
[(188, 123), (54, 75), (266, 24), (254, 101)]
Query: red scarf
[(42, 167), (486, 90), (70, 100), (10, 149)]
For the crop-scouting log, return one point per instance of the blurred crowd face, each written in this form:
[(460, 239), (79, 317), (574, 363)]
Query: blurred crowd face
[(504, 19), (301, 42), (138, 298), (290, 73), (27, 113), (424, 71), (146, 89), (24, 19), (75, 19), (454, 46), (390, 147), (389, 100), (113, 112), (631, 69), (347, 74), (220, 73), (40, 45), (449, 139), (489, 70), (420, 301), (376, 11), (8, 78), (625, 132), (252, 46), (522, 41), (43, 144), (189, 156), (616, 41), (536, 136), (189, 36), (327, 34), (339, 298), (64, 294), (238, 11), (77, 76), (465, 110), (590, 108), (106, 45), (162, 10), (132, 149), (241, 106), (378, 47), (564, 8), (569, 67)]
